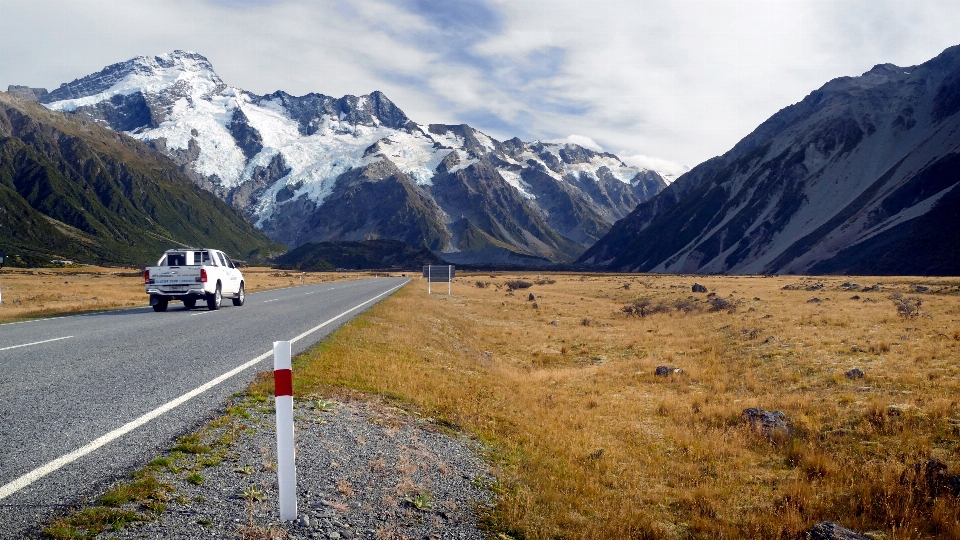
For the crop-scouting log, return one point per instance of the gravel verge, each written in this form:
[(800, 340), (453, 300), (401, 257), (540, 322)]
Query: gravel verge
[(365, 471)]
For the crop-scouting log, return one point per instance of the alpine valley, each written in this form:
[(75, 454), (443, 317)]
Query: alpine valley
[(315, 168), (860, 177)]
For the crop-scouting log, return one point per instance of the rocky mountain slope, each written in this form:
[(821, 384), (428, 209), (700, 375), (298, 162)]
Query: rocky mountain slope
[(360, 255), (859, 177), (318, 168), (70, 189)]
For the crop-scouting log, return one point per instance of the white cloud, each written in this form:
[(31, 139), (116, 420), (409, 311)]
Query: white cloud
[(583, 141), (668, 169), (681, 80)]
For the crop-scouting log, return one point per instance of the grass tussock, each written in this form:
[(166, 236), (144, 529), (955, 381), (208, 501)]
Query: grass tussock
[(589, 443)]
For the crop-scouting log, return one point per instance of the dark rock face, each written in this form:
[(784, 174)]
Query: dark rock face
[(854, 179), (310, 110), (121, 113), (480, 195), (247, 137), (698, 288), (829, 530), (377, 200), (33, 94), (246, 194)]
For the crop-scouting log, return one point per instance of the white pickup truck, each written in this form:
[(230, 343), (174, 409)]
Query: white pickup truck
[(191, 274)]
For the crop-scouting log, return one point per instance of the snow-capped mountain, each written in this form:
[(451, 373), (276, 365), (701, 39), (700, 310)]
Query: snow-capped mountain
[(861, 176), (314, 167)]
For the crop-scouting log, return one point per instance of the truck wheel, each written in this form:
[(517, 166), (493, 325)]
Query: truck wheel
[(213, 300), (189, 303), (160, 306), (238, 301)]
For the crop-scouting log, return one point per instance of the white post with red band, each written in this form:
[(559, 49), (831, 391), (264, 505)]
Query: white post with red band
[(286, 466)]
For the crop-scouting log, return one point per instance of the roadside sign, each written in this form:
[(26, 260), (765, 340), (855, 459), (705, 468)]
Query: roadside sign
[(439, 274)]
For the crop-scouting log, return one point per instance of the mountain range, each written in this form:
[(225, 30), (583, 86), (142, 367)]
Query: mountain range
[(316, 168), (860, 177)]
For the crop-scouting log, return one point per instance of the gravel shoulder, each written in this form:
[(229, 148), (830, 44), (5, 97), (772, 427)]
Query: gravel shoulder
[(366, 470)]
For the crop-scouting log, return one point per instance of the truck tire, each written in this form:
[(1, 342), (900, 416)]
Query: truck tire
[(189, 303), (160, 306), (214, 300), (238, 301)]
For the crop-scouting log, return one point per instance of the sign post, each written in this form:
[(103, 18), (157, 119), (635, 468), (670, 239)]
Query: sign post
[(444, 273), (286, 465)]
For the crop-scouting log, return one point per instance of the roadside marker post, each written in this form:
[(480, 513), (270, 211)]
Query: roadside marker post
[(286, 464)]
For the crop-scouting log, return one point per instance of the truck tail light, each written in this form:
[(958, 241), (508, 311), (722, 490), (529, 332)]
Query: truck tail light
[(146, 277), (203, 275)]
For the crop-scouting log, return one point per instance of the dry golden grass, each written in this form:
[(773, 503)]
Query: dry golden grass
[(588, 443), (45, 292)]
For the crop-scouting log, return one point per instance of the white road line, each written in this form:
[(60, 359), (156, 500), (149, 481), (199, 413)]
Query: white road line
[(38, 473), (268, 301), (35, 320), (34, 343)]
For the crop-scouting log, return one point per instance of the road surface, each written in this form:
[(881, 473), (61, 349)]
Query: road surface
[(86, 399)]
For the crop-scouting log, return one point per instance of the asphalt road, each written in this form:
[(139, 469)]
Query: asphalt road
[(66, 382)]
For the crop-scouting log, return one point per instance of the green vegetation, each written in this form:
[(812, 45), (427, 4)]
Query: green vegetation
[(72, 190)]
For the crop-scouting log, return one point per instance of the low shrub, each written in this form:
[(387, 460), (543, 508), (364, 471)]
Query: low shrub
[(908, 307)]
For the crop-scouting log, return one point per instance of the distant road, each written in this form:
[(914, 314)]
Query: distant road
[(87, 398)]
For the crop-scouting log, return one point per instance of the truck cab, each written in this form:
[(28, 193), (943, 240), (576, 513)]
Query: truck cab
[(191, 274)]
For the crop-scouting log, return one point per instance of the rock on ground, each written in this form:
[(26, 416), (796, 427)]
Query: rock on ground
[(829, 530)]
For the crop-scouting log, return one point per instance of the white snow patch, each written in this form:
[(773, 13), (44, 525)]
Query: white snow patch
[(513, 178)]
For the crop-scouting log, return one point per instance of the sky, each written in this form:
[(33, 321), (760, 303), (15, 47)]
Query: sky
[(662, 84)]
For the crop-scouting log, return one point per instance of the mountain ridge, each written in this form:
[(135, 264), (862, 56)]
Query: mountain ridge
[(854, 163)]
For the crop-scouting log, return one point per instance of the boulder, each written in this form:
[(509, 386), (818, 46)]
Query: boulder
[(666, 371), (699, 288), (770, 423), (855, 373), (830, 530)]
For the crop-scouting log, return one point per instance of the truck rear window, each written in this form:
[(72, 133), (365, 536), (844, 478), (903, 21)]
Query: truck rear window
[(176, 259)]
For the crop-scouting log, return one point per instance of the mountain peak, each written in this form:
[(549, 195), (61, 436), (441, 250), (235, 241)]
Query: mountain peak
[(143, 73)]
